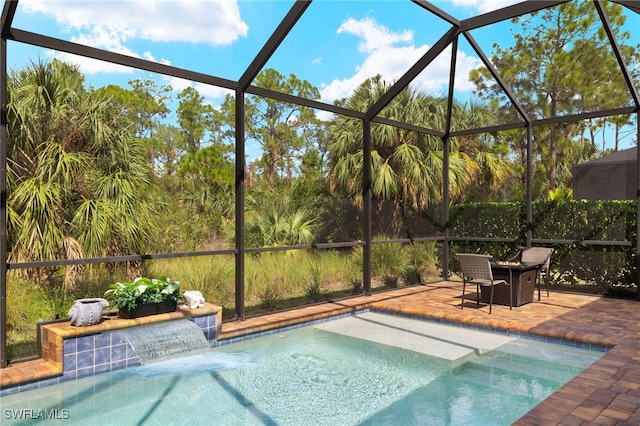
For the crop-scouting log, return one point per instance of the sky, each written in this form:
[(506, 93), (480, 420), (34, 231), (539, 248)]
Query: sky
[(336, 45)]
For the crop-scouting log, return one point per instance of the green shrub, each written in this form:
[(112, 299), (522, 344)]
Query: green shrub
[(27, 304), (422, 258), (412, 276), (356, 286), (572, 265), (313, 288), (270, 298), (213, 276), (130, 294), (386, 258), (390, 280)]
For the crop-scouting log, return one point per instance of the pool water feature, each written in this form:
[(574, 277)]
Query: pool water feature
[(325, 375), (156, 342)]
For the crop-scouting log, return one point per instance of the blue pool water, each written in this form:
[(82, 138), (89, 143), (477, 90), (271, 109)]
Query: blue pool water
[(321, 375)]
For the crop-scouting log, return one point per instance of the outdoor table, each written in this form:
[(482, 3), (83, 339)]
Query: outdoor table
[(521, 276)]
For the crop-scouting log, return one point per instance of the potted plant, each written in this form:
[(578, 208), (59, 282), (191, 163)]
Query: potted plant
[(144, 296)]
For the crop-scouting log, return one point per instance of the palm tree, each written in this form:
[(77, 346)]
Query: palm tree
[(275, 228), (77, 182), (280, 223), (484, 154), (407, 167)]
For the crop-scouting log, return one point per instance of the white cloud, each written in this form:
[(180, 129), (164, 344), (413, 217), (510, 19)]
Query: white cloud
[(385, 56), (111, 25), (202, 21), (373, 35), (464, 65), (483, 6), (212, 92), (206, 90), (90, 66)]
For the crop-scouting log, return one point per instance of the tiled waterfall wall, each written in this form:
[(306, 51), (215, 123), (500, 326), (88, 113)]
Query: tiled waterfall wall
[(106, 351), (88, 355)]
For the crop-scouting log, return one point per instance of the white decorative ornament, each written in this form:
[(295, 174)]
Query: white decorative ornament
[(193, 299), (87, 311)]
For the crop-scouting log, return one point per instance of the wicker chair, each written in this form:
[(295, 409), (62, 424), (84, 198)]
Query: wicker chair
[(476, 269), (537, 256)]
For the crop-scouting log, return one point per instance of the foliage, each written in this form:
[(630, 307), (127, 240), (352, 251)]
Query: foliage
[(314, 291), (386, 258), (142, 290), (422, 259), (207, 179), (557, 65), (356, 286), (390, 280), (78, 183), (208, 166), (295, 277), (494, 220), (412, 276), (270, 298), (572, 264), (274, 229), (407, 167), (284, 131), (142, 107), (413, 262), (211, 276), (27, 304), (184, 230), (194, 118), (281, 223), (313, 288)]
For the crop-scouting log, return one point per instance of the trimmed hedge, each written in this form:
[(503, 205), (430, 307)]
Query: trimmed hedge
[(610, 268)]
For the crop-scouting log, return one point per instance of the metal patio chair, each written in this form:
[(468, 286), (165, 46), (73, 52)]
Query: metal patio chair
[(476, 269)]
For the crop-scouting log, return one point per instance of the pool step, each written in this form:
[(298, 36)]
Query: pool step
[(506, 382), (505, 365), (544, 352), (455, 344)]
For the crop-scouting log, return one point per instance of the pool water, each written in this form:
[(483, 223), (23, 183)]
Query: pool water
[(322, 375)]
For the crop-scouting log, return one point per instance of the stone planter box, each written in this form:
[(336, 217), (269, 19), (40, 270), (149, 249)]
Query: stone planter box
[(147, 309)]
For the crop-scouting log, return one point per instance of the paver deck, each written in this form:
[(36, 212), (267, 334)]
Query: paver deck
[(606, 393)]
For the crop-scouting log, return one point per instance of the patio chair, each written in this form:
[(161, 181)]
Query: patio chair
[(537, 256), (476, 269)]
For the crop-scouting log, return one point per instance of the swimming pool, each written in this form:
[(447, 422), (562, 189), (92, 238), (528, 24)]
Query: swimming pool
[(367, 369)]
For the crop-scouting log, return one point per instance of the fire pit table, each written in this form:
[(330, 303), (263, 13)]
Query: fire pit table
[(521, 276)]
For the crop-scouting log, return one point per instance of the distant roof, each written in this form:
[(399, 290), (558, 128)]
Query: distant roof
[(623, 156)]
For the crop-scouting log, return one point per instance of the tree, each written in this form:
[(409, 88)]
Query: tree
[(281, 223), (284, 131), (487, 158), (78, 183), (557, 52), (407, 167), (142, 108), (209, 177), (168, 146), (194, 118)]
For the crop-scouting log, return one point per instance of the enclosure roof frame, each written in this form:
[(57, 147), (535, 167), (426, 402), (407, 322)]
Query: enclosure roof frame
[(244, 86)]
